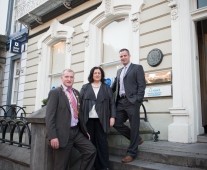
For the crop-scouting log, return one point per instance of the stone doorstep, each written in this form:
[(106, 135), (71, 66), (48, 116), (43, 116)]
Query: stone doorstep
[(145, 127), (115, 164), (191, 155), (202, 138), (146, 132)]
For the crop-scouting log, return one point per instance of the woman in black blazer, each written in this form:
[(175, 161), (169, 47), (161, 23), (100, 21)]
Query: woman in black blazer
[(98, 111)]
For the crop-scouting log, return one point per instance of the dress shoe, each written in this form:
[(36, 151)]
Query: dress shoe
[(127, 159), (140, 141)]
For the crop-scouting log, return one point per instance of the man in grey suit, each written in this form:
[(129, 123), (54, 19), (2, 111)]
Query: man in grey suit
[(65, 127), (129, 87)]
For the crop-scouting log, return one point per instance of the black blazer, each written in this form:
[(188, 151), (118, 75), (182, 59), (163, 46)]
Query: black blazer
[(104, 104), (134, 83), (58, 116)]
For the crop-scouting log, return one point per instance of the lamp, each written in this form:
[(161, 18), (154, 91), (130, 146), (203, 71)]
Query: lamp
[(2, 60)]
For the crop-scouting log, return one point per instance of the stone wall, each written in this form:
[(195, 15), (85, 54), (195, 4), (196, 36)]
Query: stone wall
[(14, 157), (40, 156)]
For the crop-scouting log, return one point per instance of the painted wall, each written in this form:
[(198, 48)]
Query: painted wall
[(161, 24), (33, 59), (155, 32)]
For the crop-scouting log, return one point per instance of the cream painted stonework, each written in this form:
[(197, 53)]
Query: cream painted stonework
[(108, 11)]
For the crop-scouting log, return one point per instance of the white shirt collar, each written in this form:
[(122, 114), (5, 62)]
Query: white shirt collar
[(64, 87), (127, 66)]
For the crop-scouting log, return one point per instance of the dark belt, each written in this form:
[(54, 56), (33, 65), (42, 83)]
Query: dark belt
[(122, 96), (74, 127)]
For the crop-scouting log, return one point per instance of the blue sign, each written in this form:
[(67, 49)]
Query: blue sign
[(108, 81), (16, 47)]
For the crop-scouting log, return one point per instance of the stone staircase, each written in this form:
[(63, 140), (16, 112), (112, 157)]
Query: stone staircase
[(161, 155)]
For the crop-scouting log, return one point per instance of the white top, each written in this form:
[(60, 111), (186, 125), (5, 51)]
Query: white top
[(93, 113)]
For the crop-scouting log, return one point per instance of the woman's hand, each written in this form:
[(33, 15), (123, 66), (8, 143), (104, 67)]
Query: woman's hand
[(112, 121)]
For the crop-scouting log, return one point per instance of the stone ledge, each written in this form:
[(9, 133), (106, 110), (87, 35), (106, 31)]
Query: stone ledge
[(15, 154)]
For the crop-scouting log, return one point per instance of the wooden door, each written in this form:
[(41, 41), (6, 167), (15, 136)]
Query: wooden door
[(202, 48)]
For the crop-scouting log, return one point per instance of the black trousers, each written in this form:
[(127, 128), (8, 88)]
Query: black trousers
[(99, 139), (82, 144), (126, 110)]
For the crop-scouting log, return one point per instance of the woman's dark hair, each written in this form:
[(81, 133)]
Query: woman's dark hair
[(90, 77)]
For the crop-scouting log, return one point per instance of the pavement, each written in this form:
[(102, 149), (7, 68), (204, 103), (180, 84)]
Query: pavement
[(193, 149), (162, 155)]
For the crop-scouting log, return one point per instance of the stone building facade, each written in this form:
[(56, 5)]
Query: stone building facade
[(83, 34)]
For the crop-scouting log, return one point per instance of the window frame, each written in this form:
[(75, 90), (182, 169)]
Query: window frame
[(15, 78), (105, 14), (57, 32)]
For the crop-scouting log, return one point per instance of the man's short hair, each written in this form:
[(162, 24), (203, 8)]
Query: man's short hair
[(125, 49)]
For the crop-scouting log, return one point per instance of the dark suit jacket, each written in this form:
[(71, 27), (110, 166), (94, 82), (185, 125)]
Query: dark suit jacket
[(134, 83), (104, 104), (58, 116)]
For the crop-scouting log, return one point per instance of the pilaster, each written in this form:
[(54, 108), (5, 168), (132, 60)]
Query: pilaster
[(183, 112)]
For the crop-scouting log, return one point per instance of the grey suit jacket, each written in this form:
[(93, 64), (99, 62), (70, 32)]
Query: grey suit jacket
[(134, 83), (58, 116)]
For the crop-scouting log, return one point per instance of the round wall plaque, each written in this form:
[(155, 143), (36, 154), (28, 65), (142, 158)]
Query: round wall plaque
[(154, 57)]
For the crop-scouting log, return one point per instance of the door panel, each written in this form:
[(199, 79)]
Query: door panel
[(202, 47)]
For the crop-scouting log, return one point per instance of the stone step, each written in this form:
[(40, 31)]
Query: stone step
[(178, 154), (115, 164), (202, 138), (146, 132)]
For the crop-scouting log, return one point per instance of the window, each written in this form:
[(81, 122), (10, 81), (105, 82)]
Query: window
[(115, 36), (112, 26), (55, 52), (57, 63), (15, 84), (201, 3)]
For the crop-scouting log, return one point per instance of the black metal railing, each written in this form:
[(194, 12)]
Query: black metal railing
[(155, 133), (14, 127), (144, 110), (13, 111)]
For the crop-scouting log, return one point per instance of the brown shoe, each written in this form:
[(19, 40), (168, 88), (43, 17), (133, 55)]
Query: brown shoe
[(127, 159), (140, 141)]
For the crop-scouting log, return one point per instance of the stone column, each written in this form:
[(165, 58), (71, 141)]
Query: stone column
[(41, 154), (182, 129)]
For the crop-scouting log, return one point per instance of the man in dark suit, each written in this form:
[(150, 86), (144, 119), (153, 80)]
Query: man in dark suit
[(65, 127), (129, 87)]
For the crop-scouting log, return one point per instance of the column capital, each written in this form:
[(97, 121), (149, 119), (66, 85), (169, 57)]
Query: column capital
[(174, 9)]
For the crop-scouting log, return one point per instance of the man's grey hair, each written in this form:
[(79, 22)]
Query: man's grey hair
[(67, 70)]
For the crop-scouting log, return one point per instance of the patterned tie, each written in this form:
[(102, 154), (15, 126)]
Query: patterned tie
[(73, 103), (125, 69), (122, 88)]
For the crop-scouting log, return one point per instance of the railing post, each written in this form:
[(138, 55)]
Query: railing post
[(41, 154)]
